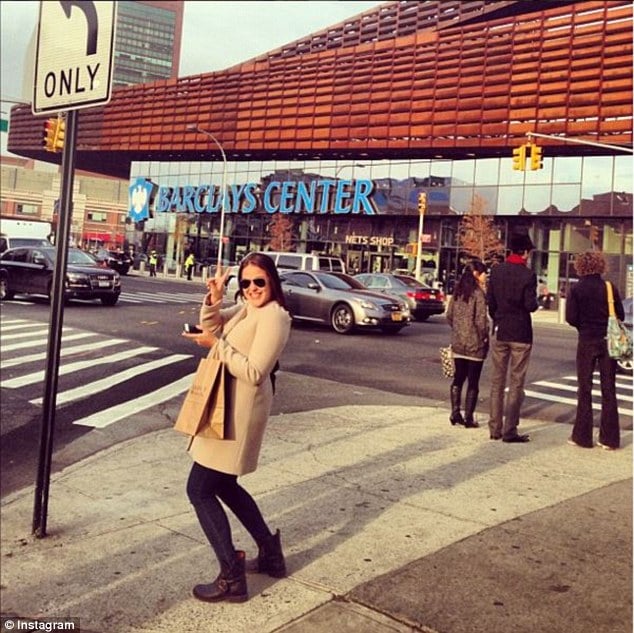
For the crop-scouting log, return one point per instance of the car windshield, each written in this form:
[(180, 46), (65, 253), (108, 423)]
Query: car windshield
[(75, 256), (340, 281), (411, 282)]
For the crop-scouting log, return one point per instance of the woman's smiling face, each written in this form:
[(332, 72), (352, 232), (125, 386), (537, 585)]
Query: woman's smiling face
[(255, 285)]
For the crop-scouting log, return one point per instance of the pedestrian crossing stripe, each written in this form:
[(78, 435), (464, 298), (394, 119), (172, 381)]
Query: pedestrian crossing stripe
[(105, 417), (596, 406), (38, 376), (573, 388), (112, 380), (161, 297)]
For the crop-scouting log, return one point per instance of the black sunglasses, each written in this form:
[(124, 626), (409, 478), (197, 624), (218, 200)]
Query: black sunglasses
[(260, 282)]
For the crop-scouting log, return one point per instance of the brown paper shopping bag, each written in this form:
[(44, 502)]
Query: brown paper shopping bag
[(195, 408), (214, 423)]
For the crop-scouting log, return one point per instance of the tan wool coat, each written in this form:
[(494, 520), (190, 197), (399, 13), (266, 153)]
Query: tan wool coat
[(250, 342)]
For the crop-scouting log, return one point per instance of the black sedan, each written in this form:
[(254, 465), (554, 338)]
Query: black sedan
[(423, 300), (29, 270), (340, 301), (116, 260)]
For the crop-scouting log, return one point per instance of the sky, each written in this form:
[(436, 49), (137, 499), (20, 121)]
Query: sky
[(216, 35)]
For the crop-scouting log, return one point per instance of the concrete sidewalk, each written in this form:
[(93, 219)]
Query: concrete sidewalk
[(391, 520)]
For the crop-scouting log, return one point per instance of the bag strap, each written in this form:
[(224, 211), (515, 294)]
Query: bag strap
[(611, 311)]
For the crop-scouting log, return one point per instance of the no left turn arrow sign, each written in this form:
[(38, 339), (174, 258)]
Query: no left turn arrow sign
[(74, 58)]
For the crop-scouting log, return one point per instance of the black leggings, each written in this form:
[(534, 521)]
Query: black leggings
[(205, 487), (467, 370)]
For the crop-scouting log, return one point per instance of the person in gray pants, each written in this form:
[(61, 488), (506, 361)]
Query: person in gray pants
[(511, 298)]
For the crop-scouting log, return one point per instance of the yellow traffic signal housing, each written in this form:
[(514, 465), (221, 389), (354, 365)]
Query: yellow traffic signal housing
[(422, 203), (61, 134), (54, 134), (536, 157), (50, 135), (519, 158)]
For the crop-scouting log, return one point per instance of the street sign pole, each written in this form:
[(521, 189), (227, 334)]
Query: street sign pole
[(40, 508), (73, 69)]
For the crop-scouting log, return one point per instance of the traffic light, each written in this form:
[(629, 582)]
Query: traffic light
[(61, 134), (536, 157), (519, 158), (422, 203), (50, 135), (54, 134)]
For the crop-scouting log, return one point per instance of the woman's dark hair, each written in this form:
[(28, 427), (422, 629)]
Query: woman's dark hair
[(467, 283), (268, 265)]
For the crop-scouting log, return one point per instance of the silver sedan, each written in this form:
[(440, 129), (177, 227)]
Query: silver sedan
[(340, 301)]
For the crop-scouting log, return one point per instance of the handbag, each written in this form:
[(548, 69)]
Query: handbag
[(618, 338), (447, 364), (203, 410)]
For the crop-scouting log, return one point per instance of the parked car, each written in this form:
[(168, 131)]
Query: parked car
[(625, 366), (114, 259), (306, 261), (423, 300), (232, 289), (339, 300), (29, 270)]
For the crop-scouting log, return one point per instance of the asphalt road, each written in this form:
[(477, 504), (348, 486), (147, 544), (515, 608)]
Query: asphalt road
[(132, 358)]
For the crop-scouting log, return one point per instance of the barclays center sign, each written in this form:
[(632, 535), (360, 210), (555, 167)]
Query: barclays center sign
[(316, 197)]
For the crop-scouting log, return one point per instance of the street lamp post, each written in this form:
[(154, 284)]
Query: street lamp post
[(194, 128), (344, 166)]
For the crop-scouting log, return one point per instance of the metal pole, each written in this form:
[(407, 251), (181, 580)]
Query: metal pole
[(224, 187), (419, 249), (579, 141), (40, 507)]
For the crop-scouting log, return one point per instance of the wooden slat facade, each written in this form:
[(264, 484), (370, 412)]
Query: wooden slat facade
[(407, 80)]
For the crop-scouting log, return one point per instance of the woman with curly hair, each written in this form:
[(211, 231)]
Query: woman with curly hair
[(587, 311)]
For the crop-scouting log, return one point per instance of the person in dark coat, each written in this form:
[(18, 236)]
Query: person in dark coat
[(467, 315), (587, 311), (511, 298)]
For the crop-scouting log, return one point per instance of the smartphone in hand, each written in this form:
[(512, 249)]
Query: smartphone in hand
[(191, 329)]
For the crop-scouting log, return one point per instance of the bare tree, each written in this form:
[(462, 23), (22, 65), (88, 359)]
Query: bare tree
[(478, 236), (281, 231)]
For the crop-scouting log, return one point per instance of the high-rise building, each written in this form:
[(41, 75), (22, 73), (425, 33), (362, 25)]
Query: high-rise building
[(148, 41)]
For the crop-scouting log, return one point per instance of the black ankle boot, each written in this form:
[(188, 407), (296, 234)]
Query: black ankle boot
[(231, 584), (270, 558), (455, 394), (470, 402)]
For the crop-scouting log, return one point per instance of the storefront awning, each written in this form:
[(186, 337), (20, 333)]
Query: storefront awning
[(102, 237)]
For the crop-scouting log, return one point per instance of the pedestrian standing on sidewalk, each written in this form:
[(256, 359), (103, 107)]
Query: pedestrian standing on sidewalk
[(153, 262), (511, 298), (467, 315), (587, 311), (190, 262), (249, 338)]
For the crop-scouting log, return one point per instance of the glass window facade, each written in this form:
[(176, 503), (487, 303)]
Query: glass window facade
[(144, 46), (573, 204)]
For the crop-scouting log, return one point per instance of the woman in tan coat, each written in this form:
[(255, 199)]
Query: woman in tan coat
[(249, 338)]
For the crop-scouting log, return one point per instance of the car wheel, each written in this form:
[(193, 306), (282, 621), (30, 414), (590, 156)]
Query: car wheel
[(110, 300), (422, 317), (342, 319), (5, 293)]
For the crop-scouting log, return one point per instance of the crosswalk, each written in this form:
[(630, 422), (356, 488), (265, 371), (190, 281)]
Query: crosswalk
[(145, 298), (564, 391), (160, 297), (92, 367)]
